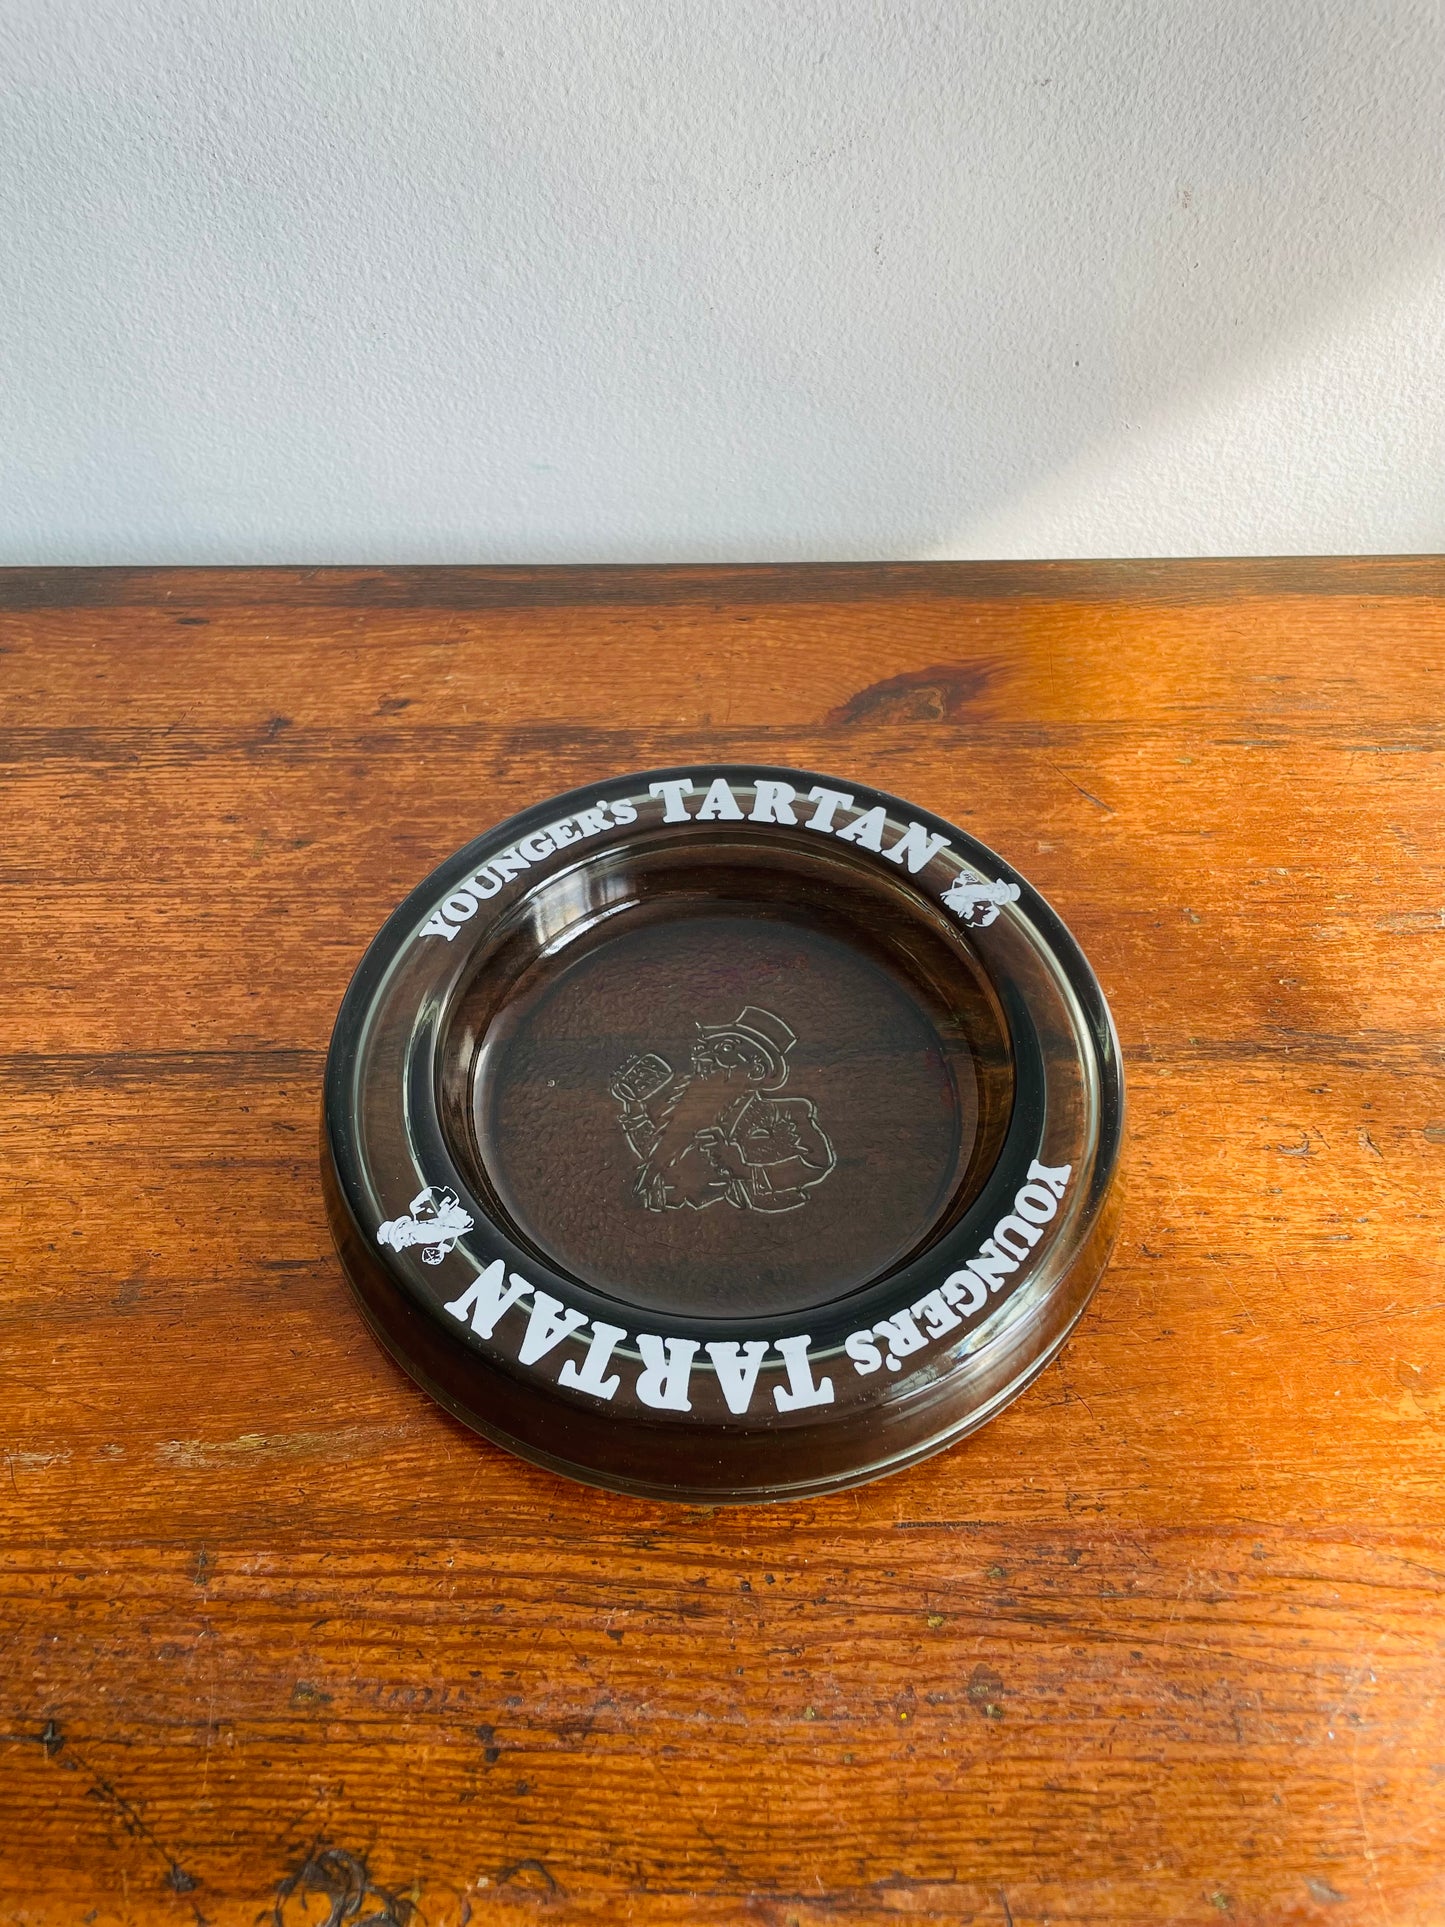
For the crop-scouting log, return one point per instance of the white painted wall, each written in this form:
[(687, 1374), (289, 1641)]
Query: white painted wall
[(327, 280)]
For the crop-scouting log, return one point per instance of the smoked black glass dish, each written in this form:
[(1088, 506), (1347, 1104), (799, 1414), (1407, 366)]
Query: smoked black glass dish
[(723, 1133)]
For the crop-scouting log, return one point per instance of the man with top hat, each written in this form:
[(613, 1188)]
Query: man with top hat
[(719, 1133)]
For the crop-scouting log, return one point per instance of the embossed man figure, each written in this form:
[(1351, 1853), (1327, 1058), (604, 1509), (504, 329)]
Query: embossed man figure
[(718, 1132)]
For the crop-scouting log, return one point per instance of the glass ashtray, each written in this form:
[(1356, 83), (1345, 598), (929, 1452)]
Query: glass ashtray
[(723, 1134)]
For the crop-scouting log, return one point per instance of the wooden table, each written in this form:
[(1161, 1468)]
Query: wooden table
[(1162, 1644)]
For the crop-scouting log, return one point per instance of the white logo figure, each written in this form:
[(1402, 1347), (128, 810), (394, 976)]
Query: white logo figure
[(716, 1132), (979, 903), (437, 1220)]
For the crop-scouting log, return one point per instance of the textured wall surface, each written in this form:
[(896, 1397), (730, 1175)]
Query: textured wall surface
[(344, 279)]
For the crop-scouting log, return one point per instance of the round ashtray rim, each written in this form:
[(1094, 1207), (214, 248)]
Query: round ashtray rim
[(392, 941)]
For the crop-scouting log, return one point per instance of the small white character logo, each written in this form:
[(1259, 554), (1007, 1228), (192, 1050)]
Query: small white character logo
[(977, 902), (717, 1133), (437, 1220)]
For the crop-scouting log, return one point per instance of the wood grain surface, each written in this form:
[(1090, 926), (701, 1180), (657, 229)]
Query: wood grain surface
[(281, 1643)]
